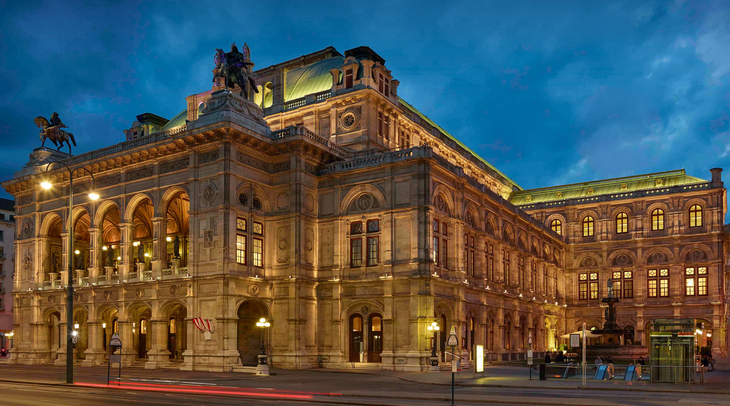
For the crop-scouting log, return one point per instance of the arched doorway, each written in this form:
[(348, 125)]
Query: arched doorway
[(82, 244), (472, 335), (176, 335), (110, 239), (249, 336), (108, 327), (80, 326), (507, 345), (140, 331), (356, 338), (375, 338), (55, 332), (54, 260)]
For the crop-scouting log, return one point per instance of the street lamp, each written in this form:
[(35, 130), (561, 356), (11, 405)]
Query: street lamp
[(70, 332), (435, 328), (262, 368)]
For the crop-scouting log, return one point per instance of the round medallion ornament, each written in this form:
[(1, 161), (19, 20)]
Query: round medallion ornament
[(624, 186), (138, 293), (558, 195), (308, 246), (107, 295), (528, 198), (77, 297), (349, 120), (254, 290), (622, 260), (282, 244), (365, 310), (590, 191), (658, 182), (696, 255), (51, 299), (256, 203), (658, 257), (28, 228), (243, 199), (209, 193), (440, 203), (364, 202), (173, 289)]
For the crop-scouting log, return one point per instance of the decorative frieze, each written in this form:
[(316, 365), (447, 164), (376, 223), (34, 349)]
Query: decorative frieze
[(206, 157), (25, 200), (251, 161), (172, 166), (109, 181), (140, 173)]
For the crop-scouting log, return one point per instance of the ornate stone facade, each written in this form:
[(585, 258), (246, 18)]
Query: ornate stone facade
[(330, 206)]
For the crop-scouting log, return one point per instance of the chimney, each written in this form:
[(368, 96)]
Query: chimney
[(716, 177)]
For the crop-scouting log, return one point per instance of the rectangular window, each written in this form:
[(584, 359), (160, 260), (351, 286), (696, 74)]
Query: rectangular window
[(702, 286), (241, 249), (356, 227), (436, 250), (628, 289), (258, 252), (505, 265), (594, 290), (373, 226), (652, 287), (663, 287), (2, 236), (583, 291), (348, 79), (258, 228), (617, 288), (490, 262), (241, 224), (356, 252), (444, 253), (544, 280), (372, 251), (689, 287), (520, 270)]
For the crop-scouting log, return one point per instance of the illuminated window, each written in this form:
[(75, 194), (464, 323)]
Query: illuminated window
[(533, 276), (657, 219), (557, 226), (258, 252), (372, 251), (143, 326), (258, 228), (588, 226), (241, 241), (594, 285), (695, 216), (544, 279), (520, 270), (658, 282), (373, 226), (622, 223), (383, 84), (689, 287)]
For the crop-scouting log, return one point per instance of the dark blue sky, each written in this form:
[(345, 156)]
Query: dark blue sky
[(549, 92)]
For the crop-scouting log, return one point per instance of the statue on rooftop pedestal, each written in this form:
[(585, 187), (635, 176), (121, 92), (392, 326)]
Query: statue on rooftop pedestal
[(234, 67), (52, 131)]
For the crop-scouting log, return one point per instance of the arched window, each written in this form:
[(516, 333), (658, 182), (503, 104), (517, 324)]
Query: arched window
[(695, 215), (657, 219), (588, 228), (173, 328), (622, 223), (356, 338), (557, 226), (506, 335)]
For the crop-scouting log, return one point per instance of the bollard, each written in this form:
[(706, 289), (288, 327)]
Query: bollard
[(543, 367)]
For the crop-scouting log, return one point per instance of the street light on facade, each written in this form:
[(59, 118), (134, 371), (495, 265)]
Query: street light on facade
[(435, 328), (71, 334)]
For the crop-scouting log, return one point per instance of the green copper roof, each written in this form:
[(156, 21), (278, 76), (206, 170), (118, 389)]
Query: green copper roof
[(176, 121), (604, 187), (311, 79), (428, 120)]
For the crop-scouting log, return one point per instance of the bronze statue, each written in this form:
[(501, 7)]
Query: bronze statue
[(176, 247), (140, 253), (53, 132), (233, 68), (109, 257), (609, 285)]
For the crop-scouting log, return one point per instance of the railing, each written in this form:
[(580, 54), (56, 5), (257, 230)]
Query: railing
[(84, 281), (322, 96), (132, 276), (167, 272), (147, 275), (101, 280), (368, 160), (294, 104), (182, 271), (292, 131), (115, 278)]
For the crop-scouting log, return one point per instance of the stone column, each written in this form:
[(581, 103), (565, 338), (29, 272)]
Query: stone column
[(159, 246), (158, 354), (125, 251), (61, 357), (95, 253), (127, 337), (95, 351)]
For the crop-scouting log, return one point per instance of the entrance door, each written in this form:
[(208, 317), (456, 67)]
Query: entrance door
[(375, 343), (142, 343), (171, 343), (356, 342)]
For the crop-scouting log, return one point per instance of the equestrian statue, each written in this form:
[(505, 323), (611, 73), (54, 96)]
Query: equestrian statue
[(53, 131), (234, 67)]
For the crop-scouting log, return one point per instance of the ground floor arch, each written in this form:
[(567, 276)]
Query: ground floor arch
[(250, 337)]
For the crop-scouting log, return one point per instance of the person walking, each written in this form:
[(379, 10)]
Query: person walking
[(598, 362), (641, 361), (547, 358)]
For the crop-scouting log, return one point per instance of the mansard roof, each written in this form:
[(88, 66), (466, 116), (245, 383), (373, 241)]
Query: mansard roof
[(658, 182)]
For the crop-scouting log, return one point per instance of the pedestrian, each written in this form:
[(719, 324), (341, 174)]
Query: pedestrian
[(711, 363), (560, 357), (598, 361), (547, 357), (641, 361), (610, 368)]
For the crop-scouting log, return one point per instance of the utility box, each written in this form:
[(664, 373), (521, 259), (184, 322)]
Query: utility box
[(671, 351)]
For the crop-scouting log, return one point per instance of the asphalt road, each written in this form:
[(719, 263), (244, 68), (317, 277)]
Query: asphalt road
[(320, 388)]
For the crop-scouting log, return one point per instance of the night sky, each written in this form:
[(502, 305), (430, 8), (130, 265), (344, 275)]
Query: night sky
[(549, 92)]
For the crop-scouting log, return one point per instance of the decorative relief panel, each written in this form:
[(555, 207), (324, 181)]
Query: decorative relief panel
[(251, 161), (140, 173), (110, 180), (173, 166), (281, 166), (209, 156), (27, 231), (209, 193), (25, 199), (364, 202)]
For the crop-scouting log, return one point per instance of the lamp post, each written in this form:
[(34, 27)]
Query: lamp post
[(262, 369), (434, 358), (70, 332)]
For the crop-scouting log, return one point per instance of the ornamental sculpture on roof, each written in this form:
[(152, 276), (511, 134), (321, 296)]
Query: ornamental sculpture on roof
[(53, 131), (234, 67)]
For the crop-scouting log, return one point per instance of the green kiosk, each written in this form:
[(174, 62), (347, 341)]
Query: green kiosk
[(672, 344)]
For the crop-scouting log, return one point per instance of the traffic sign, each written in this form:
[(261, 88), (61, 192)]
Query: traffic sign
[(453, 340), (115, 341)]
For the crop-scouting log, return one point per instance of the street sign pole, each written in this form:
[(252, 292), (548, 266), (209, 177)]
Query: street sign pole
[(529, 354), (584, 354), (452, 342)]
